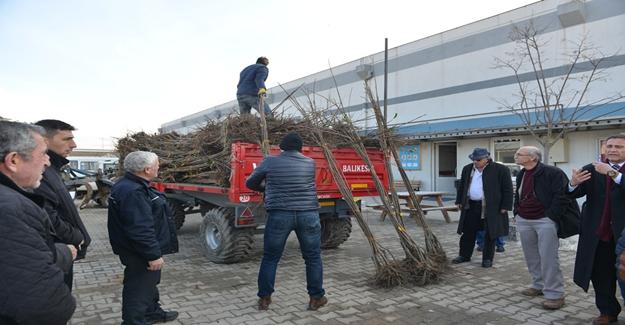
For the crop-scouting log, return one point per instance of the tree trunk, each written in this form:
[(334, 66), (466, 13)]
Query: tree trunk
[(546, 148)]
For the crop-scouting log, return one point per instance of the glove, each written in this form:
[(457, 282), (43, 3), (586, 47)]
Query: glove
[(262, 92)]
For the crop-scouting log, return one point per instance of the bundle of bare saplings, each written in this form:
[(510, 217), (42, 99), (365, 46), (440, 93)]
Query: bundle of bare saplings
[(203, 156)]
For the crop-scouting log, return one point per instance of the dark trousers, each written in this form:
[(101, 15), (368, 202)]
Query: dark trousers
[(68, 277), (604, 279), (140, 298), (472, 224)]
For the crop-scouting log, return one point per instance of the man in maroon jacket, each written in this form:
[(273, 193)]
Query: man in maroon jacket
[(539, 202)]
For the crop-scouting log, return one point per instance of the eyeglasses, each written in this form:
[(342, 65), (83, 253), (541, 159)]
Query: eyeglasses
[(520, 154)]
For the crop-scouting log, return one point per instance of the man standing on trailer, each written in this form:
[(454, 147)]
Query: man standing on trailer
[(251, 87)]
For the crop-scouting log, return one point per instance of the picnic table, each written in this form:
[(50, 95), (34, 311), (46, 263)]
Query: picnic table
[(436, 195)]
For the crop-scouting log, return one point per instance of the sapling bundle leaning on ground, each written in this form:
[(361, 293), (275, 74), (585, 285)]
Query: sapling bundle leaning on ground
[(387, 274), (417, 267), (433, 246)]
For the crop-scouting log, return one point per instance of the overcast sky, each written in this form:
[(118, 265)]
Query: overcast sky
[(115, 66)]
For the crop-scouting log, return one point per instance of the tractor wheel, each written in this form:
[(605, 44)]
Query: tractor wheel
[(222, 242), (335, 231), (179, 214)]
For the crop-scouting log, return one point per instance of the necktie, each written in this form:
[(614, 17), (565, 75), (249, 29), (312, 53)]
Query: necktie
[(616, 167)]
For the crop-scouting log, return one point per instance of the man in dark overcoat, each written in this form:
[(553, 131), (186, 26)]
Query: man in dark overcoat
[(484, 198), (59, 205), (602, 221)]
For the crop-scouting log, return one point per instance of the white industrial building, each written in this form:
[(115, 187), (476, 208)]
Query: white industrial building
[(444, 91)]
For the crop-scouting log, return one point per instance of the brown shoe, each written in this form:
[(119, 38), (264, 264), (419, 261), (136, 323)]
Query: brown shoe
[(316, 303), (604, 320), (263, 303), (532, 292), (553, 304)]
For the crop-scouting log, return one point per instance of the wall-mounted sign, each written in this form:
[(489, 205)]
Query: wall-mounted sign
[(410, 157)]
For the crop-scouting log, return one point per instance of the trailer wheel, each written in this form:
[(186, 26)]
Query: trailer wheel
[(179, 214), (222, 242), (335, 231)]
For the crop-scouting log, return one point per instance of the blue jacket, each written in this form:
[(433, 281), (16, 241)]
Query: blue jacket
[(140, 221), (251, 79), (289, 182)]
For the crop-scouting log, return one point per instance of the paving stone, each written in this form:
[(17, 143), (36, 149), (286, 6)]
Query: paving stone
[(207, 293)]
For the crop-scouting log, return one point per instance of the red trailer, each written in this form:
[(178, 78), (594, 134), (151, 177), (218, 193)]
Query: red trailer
[(232, 215)]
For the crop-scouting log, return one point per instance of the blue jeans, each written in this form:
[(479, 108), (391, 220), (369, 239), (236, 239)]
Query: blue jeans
[(247, 102), (307, 227), (479, 240)]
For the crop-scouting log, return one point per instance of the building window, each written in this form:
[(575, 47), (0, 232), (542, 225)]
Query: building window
[(504, 153), (89, 165), (447, 159)]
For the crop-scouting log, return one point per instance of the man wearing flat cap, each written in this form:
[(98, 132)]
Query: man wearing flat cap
[(288, 181), (484, 198)]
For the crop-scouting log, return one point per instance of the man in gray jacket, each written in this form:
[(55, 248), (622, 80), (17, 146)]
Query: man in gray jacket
[(292, 205)]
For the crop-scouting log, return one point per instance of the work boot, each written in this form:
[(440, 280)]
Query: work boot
[(553, 304), (263, 303), (316, 303), (605, 320), (163, 317), (532, 292)]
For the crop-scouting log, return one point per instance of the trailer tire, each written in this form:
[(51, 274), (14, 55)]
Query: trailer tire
[(221, 241), (177, 209), (335, 231)]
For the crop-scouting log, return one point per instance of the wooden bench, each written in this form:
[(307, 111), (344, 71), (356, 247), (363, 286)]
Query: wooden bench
[(416, 185), (446, 208), (425, 209)]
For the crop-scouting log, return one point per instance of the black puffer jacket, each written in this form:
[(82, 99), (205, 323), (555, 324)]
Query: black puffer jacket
[(289, 182), (66, 221), (139, 220), (32, 287)]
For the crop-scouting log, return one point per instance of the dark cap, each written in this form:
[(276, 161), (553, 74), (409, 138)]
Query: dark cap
[(291, 141), (479, 154)]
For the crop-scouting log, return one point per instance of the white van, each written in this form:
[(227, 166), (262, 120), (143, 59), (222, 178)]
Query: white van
[(92, 164)]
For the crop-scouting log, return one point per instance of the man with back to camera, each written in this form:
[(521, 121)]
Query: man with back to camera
[(602, 223), (31, 265), (141, 230), (68, 226), (292, 205), (251, 87), (484, 198)]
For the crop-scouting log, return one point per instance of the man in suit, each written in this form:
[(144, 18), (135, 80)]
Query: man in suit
[(602, 222), (484, 198)]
